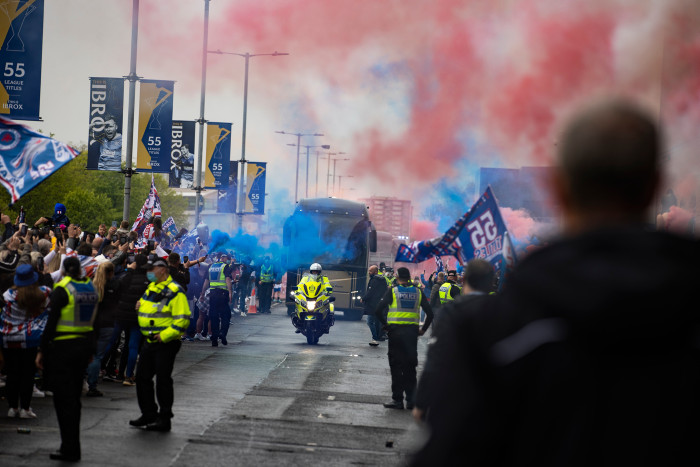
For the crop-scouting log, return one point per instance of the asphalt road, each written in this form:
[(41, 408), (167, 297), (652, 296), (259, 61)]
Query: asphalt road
[(267, 398)]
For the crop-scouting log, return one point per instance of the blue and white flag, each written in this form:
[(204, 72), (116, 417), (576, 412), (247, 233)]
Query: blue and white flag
[(170, 228), (439, 265), (480, 233), (27, 158)]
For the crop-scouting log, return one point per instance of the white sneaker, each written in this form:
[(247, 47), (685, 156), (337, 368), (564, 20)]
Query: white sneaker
[(12, 413), (37, 392), (199, 337), (27, 413), (243, 313), (374, 343)]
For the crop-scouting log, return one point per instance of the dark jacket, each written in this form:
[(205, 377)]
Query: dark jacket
[(589, 356), (107, 310), (132, 285), (181, 275), (435, 295), (376, 288)]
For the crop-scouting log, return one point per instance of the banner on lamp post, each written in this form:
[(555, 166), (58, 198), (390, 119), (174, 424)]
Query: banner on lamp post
[(106, 123), (256, 173), (218, 155), (228, 198), (21, 37), (182, 155), (155, 126)]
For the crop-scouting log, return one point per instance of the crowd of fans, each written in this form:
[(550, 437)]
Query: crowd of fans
[(116, 260)]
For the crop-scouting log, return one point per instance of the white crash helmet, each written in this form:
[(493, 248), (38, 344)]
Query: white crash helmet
[(315, 269)]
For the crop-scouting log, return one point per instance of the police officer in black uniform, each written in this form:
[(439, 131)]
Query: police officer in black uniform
[(66, 347), (404, 301)]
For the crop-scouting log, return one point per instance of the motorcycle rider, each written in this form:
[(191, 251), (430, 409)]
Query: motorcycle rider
[(316, 275)]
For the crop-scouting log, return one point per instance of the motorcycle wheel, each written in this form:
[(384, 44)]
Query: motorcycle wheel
[(311, 338)]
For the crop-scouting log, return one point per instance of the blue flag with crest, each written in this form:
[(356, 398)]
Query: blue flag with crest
[(27, 158)]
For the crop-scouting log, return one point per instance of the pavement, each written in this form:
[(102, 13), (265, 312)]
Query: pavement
[(267, 398)]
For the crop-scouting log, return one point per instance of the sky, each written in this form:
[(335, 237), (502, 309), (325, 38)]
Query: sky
[(418, 94)]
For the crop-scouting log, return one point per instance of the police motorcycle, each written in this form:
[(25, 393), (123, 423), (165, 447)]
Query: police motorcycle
[(313, 315)]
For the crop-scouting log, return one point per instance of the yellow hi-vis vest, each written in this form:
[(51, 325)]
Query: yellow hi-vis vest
[(217, 279), (405, 307), (325, 283), (266, 274), (164, 309), (445, 292), (78, 316)]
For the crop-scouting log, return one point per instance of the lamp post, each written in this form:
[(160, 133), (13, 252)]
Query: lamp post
[(324, 146), (340, 180), (328, 175), (298, 145), (247, 56), (334, 162), (201, 121)]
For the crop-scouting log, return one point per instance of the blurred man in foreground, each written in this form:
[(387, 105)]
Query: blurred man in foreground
[(589, 356)]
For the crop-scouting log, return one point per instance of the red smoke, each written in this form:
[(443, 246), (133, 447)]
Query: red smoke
[(485, 82)]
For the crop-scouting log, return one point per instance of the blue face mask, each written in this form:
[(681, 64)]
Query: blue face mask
[(151, 276)]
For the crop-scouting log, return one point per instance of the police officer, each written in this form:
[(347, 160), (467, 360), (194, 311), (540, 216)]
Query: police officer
[(404, 302), (221, 294), (267, 279), (449, 290), (316, 275), (163, 314), (66, 347)]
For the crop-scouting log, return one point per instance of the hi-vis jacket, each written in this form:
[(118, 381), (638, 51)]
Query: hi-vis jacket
[(266, 274), (325, 283), (217, 276), (164, 309), (446, 292), (78, 316), (405, 307)]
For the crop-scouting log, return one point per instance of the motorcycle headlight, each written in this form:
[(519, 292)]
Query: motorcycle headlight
[(310, 305)]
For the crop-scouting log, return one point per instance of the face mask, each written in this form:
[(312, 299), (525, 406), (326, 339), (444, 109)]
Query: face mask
[(151, 276)]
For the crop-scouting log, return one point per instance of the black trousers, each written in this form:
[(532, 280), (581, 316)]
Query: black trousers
[(20, 369), (65, 363), (156, 360), (265, 296), (219, 313), (403, 360)]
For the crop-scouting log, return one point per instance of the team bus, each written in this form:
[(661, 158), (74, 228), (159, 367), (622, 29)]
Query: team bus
[(337, 234)]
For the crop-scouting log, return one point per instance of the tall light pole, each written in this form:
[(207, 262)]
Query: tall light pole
[(128, 171), (328, 175), (298, 135), (201, 121), (334, 162), (340, 180), (247, 56), (324, 146)]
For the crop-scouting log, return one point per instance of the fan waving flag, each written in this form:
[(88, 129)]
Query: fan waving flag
[(150, 209), (27, 158), (480, 233)]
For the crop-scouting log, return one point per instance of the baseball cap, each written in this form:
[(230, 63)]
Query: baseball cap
[(156, 263)]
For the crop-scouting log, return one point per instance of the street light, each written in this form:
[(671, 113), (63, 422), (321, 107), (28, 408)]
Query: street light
[(298, 145), (340, 180), (247, 56), (328, 175), (324, 146), (334, 162)]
